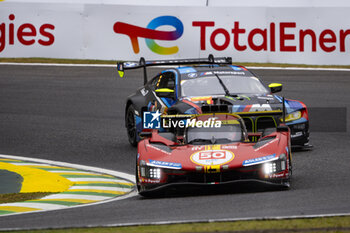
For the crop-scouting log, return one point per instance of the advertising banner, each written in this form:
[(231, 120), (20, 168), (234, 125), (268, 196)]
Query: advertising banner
[(299, 35)]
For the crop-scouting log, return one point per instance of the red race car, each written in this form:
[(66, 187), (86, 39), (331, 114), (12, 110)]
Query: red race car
[(214, 149)]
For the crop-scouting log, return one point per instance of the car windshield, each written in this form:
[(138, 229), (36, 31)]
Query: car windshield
[(227, 133), (201, 87), (210, 85)]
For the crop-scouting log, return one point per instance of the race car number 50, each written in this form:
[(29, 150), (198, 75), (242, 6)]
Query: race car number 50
[(212, 157)]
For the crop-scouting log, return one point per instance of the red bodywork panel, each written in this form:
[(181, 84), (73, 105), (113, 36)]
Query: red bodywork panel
[(182, 154), (176, 159)]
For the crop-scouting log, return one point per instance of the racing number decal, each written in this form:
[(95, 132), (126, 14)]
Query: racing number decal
[(212, 157), (203, 155)]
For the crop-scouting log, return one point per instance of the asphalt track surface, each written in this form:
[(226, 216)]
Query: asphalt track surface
[(76, 115)]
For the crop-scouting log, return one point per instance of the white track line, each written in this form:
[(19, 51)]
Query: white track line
[(296, 68), (36, 205), (30, 164), (73, 172), (224, 220), (58, 64), (95, 180), (100, 188), (76, 196), (114, 66)]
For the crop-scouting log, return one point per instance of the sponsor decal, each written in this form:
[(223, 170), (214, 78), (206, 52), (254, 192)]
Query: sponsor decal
[(206, 99), (212, 157), (265, 98), (252, 108), (229, 147), (150, 34), (297, 134), (223, 73), (151, 120), (282, 37), (197, 148), (206, 73), (229, 72), (213, 147), (192, 75), (277, 175), (259, 160), (144, 92), (26, 34), (163, 164), (150, 181)]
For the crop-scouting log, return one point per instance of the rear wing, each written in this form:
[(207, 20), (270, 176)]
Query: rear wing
[(122, 66)]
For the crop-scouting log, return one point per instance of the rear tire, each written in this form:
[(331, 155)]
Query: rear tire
[(131, 125)]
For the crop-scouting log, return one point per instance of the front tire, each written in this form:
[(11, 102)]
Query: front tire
[(288, 181), (131, 125), (137, 179)]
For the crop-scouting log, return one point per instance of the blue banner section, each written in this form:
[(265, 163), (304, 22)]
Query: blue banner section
[(258, 160), (165, 164)]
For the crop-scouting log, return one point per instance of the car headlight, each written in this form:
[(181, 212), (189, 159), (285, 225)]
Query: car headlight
[(151, 172), (275, 166), (269, 168), (154, 173), (292, 116)]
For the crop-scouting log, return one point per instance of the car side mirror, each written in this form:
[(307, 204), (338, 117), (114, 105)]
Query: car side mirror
[(275, 87), (165, 92)]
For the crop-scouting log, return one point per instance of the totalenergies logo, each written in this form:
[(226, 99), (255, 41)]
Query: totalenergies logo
[(150, 34)]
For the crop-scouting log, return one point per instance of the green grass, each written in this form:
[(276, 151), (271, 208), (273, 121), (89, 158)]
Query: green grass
[(328, 224), (111, 62), (18, 197)]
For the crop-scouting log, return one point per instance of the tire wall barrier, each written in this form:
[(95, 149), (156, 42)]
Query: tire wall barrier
[(297, 35)]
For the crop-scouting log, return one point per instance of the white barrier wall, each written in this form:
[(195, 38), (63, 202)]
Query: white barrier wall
[(301, 35)]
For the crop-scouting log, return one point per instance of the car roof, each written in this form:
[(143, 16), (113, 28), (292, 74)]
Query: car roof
[(191, 72)]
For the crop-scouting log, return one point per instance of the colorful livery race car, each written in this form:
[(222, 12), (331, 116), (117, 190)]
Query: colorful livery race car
[(214, 150), (211, 82)]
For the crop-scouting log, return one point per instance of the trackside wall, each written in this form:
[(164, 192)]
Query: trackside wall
[(294, 34)]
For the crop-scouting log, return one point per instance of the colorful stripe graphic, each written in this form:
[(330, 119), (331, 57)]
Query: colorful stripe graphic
[(151, 34)]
